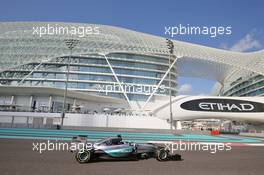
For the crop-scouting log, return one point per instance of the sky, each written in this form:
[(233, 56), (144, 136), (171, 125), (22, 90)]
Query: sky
[(245, 18)]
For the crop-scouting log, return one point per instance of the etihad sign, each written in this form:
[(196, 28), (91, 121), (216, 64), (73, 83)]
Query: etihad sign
[(222, 105), (226, 106)]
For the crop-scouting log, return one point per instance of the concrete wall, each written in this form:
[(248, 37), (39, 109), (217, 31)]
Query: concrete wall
[(88, 120), (118, 121)]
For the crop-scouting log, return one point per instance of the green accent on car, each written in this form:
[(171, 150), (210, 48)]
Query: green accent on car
[(122, 152)]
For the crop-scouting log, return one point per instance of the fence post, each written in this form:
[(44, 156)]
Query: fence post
[(27, 121), (12, 123)]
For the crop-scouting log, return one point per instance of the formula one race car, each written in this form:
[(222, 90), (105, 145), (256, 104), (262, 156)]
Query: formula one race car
[(115, 148)]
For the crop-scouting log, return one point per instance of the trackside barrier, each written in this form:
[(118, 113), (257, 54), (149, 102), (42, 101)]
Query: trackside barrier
[(215, 132)]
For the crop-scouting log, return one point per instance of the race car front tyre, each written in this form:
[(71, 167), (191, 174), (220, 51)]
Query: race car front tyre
[(83, 156), (162, 154)]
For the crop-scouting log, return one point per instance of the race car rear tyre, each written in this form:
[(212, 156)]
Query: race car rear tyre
[(83, 157), (162, 154)]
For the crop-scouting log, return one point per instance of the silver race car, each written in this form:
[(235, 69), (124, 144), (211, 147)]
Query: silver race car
[(115, 148)]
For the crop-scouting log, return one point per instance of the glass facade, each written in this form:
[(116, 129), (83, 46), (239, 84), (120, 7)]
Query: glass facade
[(138, 74), (252, 85)]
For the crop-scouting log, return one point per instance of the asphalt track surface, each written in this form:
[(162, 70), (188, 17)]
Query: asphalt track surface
[(18, 158)]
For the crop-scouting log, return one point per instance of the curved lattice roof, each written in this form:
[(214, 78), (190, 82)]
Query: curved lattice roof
[(18, 45)]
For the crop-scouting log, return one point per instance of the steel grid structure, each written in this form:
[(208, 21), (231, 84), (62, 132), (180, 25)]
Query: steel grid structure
[(136, 58)]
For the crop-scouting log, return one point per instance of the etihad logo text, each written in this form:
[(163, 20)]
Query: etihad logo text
[(222, 105), (226, 106)]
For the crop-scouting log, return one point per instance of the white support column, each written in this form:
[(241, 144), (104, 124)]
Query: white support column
[(30, 102), (12, 99), (178, 125), (74, 102), (50, 102), (113, 72), (155, 90)]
